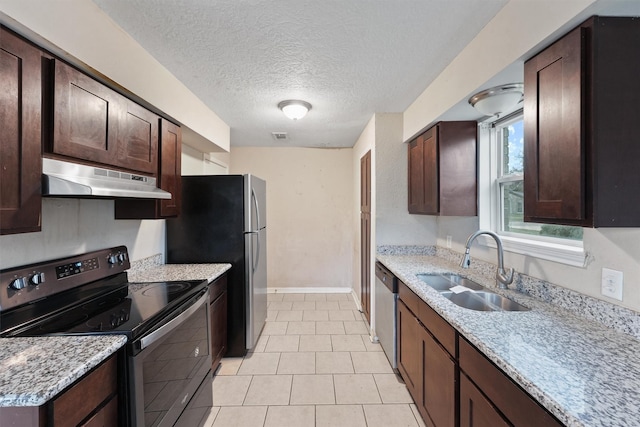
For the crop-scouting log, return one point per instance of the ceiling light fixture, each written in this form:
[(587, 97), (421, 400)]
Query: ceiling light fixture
[(497, 100), (294, 109)]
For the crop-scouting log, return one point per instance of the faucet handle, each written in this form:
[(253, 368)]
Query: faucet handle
[(503, 278)]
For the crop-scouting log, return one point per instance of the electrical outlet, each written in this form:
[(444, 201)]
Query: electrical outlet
[(612, 283), (449, 241)]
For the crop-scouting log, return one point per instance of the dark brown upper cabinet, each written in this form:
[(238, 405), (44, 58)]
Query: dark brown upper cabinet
[(442, 170), (169, 174), (95, 124), (581, 126), (21, 148)]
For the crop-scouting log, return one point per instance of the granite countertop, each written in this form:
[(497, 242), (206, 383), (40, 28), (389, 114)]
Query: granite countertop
[(172, 272), (582, 372), (34, 370)]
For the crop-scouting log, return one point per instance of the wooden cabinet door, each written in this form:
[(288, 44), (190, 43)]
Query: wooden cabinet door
[(475, 409), (438, 382), (554, 132), (218, 329), (442, 170), (138, 139), (416, 175), (77, 402), (431, 177), (20, 150), (410, 351), (87, 117), (169, 179), (105, 417), (170, 171)]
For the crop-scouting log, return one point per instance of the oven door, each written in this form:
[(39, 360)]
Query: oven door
[(168, 364)]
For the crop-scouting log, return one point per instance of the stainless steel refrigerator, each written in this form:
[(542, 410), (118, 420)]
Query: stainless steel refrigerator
[(223, 220)]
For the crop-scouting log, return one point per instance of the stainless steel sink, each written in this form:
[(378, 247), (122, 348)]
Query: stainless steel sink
[(476, 298)]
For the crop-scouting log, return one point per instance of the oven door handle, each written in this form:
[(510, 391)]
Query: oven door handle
[(174, 323)]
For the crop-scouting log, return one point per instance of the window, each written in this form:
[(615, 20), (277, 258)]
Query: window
[(502, 197)]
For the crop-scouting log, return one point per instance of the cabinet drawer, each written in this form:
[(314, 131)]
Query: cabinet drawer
[(517, 406), (81, 399), (439, 328), (409, 298), (217, 287)]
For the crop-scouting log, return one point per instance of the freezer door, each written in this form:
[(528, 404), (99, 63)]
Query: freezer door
[(255, 194)]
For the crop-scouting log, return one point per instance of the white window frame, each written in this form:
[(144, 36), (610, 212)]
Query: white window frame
[(564, 251)]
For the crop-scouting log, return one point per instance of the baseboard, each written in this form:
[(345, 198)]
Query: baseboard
[(309, 290), (356, 299)]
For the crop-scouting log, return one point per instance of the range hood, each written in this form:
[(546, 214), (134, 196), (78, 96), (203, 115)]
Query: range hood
[(66, 179)]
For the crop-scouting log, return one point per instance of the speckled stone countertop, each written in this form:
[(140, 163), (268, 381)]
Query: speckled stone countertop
[(34, 370), (582, 372), (172, 272)]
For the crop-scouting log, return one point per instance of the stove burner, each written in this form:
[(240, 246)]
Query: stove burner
[(156, 289)]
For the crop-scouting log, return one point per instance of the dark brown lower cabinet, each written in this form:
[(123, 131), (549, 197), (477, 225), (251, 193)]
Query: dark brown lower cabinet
[(428, 370), (92, 401), (438, 382), (218, 314), (409, 351), (451, 382), (475, 409), (513, 403)]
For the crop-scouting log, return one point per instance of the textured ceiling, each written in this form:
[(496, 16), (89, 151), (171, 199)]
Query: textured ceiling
[(348, 58)]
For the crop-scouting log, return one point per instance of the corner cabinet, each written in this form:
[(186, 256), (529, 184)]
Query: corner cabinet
[(442, 170), (21, 148), (169, 179), (581, 126)]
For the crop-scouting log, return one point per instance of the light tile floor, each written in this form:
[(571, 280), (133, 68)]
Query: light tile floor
[(314, 365)]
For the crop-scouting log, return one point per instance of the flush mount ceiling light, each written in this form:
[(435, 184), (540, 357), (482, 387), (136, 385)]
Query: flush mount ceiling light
[(294, 109), (497, 100)]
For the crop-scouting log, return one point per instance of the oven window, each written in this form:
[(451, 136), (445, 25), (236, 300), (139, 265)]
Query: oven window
[(172, 369)]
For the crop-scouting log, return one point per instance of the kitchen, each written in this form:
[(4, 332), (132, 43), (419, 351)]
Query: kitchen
[(328, 253)]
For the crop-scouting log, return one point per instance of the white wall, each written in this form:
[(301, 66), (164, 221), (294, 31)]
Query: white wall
[(75, 226), (394, 224), (309, 213), (196, 162)]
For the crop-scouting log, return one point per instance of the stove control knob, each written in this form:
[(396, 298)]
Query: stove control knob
[(122, 257), (36, 279), (112, 259), (18, 283)]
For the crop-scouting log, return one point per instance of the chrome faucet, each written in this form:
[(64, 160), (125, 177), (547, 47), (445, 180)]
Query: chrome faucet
[(503, 279)]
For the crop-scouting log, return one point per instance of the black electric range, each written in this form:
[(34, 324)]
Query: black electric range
[(90, 294)]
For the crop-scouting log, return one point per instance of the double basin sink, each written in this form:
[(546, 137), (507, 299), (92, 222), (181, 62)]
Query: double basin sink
[(468, 294)]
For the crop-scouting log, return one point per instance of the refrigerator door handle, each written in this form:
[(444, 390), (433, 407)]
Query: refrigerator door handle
[(254, 200)]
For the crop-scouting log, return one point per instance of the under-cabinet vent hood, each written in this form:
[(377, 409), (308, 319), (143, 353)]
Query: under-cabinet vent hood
[(66, 179)]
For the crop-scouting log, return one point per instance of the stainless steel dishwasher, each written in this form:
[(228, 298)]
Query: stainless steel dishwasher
[(387, 312)]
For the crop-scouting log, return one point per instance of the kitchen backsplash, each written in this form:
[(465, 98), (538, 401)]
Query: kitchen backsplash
[(610, 315)]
